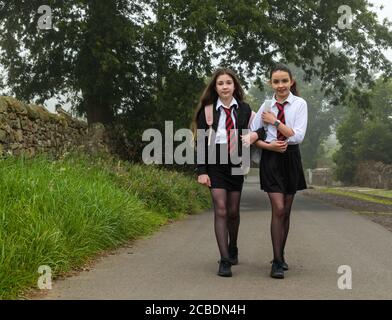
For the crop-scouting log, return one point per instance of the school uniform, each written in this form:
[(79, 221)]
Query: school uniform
[(220, 172), (283, 172)]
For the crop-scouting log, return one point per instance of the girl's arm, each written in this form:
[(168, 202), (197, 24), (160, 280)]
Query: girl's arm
[(276, 146), (256, 128), (300, 124), (296, 134), (269, 117), (257, 122)]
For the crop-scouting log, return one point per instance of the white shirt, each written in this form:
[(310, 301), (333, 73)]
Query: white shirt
[(221, 133), (296, 117)]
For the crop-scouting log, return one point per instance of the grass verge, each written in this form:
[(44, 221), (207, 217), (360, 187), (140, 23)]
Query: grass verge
[(357, 195), (61, 213)]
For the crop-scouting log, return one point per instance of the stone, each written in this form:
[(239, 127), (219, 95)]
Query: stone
[(26, 124), (31, 152), (3, 135), (16, 105), (18, 135), (3, 105)]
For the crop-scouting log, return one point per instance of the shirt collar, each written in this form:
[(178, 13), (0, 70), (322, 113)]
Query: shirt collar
[(220, 104), (289, 99)]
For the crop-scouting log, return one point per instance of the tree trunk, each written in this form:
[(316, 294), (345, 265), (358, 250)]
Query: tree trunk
[(98, 111)]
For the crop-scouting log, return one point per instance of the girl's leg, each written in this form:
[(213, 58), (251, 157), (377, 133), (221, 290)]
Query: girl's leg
[(219, 198), (233, 210), (277, 224), (288, 202)]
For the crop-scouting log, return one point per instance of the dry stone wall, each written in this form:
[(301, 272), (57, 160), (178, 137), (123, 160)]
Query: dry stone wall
[(374, 174), (31, 129)]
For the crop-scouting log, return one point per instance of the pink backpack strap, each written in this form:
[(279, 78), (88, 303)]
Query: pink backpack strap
[(209, 119), (209, 114)]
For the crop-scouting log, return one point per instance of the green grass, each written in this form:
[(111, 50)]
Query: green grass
[(382, 193), (356, 195), (61, 213), (376, 192)]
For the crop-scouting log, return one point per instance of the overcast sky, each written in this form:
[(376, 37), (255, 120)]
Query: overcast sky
[(386, 12)]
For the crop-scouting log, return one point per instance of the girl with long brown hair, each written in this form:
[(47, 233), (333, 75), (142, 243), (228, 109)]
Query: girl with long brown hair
[(230, 115)]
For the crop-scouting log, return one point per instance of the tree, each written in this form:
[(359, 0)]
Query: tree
[(115, 56), (374, 141), (366, 135), (346, 158), (91, 54)]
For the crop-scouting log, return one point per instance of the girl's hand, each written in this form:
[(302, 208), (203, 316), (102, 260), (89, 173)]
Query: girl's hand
[(204, 179), (278, 146), (248, 139), (269, 117)]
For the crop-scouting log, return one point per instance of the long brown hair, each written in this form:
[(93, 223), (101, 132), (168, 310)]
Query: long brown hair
[(283, 67), (209, 95)]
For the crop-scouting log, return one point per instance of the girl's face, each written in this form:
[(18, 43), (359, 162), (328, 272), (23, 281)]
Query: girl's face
[(281, 84), (224, 86)]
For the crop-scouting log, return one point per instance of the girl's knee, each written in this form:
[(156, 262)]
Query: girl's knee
[(279, 212), (220, 211)]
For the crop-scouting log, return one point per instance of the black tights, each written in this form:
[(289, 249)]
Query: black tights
[(227, 218), (280, 222)]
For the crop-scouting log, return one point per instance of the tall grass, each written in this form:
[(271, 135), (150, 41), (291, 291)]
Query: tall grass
[(60, 213), (171, 194)]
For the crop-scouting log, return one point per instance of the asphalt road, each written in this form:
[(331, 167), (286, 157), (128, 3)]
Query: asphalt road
[(180, 261)]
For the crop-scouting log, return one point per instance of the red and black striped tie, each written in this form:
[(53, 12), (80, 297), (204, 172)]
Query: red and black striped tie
[(231, 137), (281, 118)]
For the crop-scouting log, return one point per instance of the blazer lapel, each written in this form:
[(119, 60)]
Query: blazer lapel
[(240, 116)]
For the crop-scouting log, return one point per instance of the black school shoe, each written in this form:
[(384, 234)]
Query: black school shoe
[(285, 266), (224, 268), (277, 271), (233, 255)]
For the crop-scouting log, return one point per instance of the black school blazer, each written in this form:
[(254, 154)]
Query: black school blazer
[(244, 113)]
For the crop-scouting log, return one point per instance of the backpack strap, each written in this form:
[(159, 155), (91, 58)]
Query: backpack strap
[(208, 111), (209, 114)]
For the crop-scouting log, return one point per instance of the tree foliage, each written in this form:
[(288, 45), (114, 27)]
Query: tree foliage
[(91, 53), (145, 61), (366, 135)]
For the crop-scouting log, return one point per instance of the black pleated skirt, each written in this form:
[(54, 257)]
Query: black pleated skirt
[(282, 172), (221, 174)]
